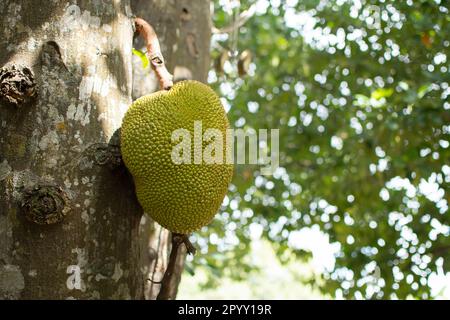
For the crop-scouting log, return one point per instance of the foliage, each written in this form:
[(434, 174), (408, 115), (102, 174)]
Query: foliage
[(359, 91), (141, 55)]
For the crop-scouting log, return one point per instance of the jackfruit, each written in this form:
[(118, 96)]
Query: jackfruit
[(180, 197)]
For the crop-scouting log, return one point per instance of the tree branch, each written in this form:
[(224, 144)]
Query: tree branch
[(169, 282), (146, 31), (241, 20)]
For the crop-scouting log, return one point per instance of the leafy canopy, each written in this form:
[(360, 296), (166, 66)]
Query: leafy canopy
[(359, 91)]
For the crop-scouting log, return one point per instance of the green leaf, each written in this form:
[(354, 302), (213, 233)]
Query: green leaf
[(423, 90), (381, 93), (142, 56)]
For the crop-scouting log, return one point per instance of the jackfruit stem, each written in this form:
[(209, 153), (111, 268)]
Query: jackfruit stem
[(189, 246), (146, 31), (169, 281)]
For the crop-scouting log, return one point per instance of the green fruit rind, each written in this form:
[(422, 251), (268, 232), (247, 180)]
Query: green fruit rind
[(180, 197)]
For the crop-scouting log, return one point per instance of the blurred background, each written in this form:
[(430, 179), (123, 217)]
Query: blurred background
[(358, 208)]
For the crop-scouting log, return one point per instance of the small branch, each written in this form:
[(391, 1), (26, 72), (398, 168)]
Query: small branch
[(242, 19), (156, 58), (154, 282), (169, 280)]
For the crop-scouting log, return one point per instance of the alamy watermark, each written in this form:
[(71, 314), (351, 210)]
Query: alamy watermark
[(209, 147)]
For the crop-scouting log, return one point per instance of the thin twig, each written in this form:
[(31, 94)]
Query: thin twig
[(158, 246), (154, 282), (236, 24), (146, 31), (169, 280)]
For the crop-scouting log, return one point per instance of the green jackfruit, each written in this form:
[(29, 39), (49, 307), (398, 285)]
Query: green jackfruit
[(180, 197)]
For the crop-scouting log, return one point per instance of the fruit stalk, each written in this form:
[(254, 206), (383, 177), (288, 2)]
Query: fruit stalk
[(167, 291), (146, 31)]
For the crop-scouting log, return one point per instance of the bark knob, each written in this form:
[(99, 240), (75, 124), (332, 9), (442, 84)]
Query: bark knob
[(17, 85), (44, 204)]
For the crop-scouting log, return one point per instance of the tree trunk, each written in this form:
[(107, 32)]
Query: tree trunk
[(69, 218)]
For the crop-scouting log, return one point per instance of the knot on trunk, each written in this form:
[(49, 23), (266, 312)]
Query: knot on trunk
[(45, 204), (17, 85), (106, 154)]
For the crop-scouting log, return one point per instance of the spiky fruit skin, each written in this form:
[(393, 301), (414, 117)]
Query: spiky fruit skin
[(180, 197)]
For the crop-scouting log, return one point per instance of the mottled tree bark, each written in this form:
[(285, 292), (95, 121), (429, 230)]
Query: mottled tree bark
[(184, 31), (59, 152), (70, 224)]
